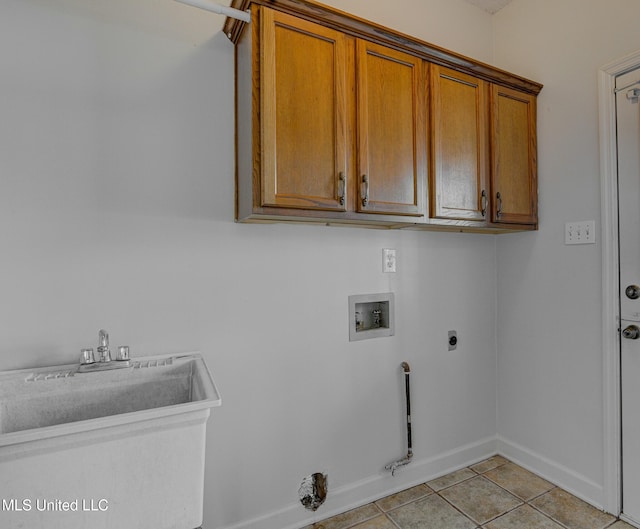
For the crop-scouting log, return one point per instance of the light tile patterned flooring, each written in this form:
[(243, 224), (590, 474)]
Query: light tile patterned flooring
[(493, 494)]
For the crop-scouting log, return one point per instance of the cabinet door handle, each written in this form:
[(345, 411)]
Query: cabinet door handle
[(483, 199), (364, 193), (342, 188), (499, 208)]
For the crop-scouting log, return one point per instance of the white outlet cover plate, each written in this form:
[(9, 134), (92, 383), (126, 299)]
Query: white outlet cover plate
[(580, 232), (388, 260)]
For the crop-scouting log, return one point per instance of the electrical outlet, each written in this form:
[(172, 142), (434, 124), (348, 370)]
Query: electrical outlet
[(580, 232), (453, 340), (388, 260)]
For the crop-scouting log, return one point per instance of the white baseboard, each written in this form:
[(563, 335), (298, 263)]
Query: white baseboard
[(629, 520), (357, 494), (573, 482)]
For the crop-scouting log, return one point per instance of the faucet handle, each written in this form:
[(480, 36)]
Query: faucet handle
[(87, 356), (123, 353)]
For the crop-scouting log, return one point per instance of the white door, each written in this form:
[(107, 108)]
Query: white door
[(628, 130)]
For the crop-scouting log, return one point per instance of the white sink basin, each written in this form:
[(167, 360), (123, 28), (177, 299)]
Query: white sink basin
[(51, 396), (129, 440)]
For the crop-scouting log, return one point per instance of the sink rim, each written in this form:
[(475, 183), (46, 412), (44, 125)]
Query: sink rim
[(85, 425)]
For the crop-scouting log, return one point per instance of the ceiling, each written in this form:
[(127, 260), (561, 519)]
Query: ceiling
[(491, 6)]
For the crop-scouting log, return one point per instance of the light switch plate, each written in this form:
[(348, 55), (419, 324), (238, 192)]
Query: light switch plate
[(388, 260), (580, 232)]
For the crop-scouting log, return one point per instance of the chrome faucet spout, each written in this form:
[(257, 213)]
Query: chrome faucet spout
[(103, 346)]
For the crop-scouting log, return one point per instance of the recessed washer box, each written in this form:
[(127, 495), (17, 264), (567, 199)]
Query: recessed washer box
[(371, 316)]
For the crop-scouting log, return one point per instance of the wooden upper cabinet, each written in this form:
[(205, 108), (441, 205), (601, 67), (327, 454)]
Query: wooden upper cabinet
[(391, 127), (513, 157), (459, 146), (342, 120), (303, 112)]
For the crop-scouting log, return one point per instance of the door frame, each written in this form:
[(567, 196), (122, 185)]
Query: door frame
[(612, 493)]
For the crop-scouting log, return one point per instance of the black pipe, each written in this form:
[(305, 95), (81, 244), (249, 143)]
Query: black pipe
[(407, 370), (406, 459)]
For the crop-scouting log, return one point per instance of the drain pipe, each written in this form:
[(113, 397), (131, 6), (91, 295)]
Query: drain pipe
[(406, 459)]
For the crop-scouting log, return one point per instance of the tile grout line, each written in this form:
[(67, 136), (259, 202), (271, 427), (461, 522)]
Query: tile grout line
[(430, 493), (365, 520), (392, 520), (522, 501), (468, 517), (546, 515), (525, 501), (457, 482)]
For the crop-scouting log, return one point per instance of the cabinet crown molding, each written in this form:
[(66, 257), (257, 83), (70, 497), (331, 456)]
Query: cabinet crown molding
[(364, 29)]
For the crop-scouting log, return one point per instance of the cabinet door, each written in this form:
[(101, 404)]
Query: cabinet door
[(460, 147), (513, 157), (303, 113), (391, 131)]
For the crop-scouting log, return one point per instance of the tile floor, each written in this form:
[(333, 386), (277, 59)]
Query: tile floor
[(493, 494)]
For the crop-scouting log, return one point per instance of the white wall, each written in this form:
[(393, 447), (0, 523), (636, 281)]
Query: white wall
[(550, 364), (116, 211), (455, 25)]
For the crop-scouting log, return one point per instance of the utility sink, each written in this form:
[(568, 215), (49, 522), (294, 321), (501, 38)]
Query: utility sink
[(44, 397), (132, 439)]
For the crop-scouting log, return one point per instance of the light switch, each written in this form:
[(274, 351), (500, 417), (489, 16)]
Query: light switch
[(580, 232)]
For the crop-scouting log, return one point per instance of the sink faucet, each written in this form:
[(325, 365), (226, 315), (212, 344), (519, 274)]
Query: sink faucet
[(103, 346), (88, 363)]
